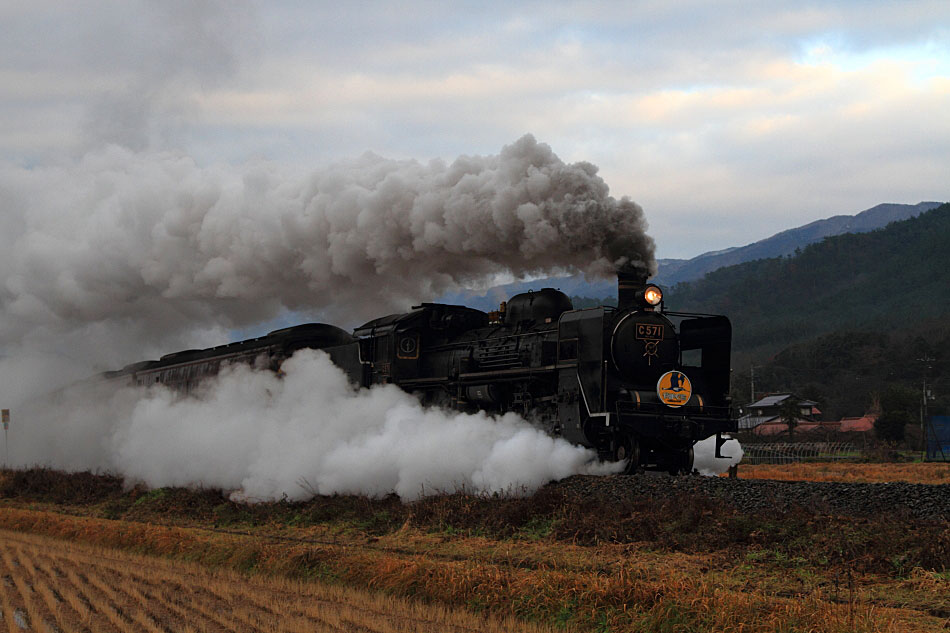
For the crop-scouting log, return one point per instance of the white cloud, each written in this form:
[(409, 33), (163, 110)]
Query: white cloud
[(708, 114)]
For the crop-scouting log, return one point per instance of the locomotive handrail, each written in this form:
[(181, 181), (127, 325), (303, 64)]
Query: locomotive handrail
[(517, 371), (477, 376), (689, 314), (455, 344)]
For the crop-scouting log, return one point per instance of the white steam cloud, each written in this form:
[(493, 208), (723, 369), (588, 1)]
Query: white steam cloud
[(308, 432), (705, 460)]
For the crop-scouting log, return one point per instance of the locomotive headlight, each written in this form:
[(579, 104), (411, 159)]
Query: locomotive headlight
[(652, 295)]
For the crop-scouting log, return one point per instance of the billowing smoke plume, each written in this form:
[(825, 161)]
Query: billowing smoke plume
[(308, 432), (151, 245)]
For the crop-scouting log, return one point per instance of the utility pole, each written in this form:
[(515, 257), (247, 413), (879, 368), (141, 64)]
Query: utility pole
[(752, 383), (925, 395), (5, 418)]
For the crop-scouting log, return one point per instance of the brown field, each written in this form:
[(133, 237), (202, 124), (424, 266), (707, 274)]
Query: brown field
[(850, 472), (684, 565), (55, 585), (578, 588)]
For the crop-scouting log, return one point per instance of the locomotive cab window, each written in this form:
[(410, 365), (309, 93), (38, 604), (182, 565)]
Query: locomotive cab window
[(368, 350), (692, 357)]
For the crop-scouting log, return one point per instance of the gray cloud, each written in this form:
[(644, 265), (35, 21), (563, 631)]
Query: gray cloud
[(307, 83)]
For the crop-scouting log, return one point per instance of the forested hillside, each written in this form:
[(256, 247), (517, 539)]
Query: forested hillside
[(840, 318), (784, 243)]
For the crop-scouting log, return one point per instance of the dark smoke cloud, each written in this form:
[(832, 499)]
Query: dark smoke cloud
[(152, 245)]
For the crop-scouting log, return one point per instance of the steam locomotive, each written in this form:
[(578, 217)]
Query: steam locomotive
[(637, 383)]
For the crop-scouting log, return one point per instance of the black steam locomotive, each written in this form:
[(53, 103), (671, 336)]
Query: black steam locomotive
[(636, 383)]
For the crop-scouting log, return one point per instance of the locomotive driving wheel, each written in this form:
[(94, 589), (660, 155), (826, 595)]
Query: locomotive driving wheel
[(628, 449)]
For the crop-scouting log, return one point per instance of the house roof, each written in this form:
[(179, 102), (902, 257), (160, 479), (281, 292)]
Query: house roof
[(777, 398), (864, 423), (752, 421)]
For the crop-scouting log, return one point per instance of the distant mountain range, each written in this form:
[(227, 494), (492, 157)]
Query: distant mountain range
[(673, 271), (845, 318), (892, 277)]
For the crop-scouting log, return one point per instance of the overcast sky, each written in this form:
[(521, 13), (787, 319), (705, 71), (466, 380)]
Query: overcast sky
[(726, 121)]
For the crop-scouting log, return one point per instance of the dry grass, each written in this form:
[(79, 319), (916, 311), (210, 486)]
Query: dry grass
[(581, 562), (849, 472), (55, 585), (604, 588)]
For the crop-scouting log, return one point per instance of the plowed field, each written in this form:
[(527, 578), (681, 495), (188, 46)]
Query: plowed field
[(51, 585)]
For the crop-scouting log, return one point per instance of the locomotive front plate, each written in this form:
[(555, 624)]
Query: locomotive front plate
[(674, 389)]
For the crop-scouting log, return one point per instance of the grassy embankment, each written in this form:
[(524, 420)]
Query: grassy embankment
[(682, 565)]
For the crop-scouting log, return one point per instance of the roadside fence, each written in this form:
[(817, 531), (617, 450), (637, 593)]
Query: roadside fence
[(790, 452)]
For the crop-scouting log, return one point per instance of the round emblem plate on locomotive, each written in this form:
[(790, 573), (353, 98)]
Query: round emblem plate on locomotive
[(674, 389), (407, 345)]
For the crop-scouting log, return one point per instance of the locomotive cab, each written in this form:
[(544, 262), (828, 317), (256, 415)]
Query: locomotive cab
[(399, 348)]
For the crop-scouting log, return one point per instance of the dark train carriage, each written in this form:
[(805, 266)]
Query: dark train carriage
[(184, 370)]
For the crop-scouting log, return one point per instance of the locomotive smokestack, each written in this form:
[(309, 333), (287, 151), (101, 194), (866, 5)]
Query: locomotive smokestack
[(629, 283)]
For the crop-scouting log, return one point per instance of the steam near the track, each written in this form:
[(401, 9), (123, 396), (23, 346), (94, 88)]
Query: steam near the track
[(309, 432), (149, 245), (122, 256), (705, 460), (130, 252)]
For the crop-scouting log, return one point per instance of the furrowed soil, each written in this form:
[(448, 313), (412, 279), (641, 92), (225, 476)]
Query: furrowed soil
[(57, 585), (560, 558)]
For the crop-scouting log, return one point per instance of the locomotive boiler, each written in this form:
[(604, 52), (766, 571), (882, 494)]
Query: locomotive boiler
[(636, 383)]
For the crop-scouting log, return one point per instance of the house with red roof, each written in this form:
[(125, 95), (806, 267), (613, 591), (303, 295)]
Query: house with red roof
[(862, 424)]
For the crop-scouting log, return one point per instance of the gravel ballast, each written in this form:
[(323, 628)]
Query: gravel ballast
[(920, 501)]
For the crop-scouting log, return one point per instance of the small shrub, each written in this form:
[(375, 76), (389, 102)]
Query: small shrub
[(54, 486)]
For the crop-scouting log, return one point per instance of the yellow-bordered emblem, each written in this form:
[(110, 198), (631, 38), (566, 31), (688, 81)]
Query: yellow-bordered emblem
[(674, 389)]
